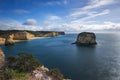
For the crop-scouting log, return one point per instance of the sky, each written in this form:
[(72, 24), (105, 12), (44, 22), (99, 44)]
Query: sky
[(60, 15)]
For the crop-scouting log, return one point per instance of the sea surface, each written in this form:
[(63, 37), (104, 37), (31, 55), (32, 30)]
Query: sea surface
[(100, 62)]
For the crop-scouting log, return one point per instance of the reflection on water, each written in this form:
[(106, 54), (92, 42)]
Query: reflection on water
[(100, 62)]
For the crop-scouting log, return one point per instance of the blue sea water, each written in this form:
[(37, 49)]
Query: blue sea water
[(100, 62)]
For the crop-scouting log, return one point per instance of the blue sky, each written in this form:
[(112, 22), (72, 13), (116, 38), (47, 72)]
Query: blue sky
[(60, 15)]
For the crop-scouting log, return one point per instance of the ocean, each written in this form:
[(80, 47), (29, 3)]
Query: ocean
[(99, 62)]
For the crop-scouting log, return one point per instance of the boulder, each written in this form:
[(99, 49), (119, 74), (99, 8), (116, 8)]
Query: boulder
[(86, 38), (2, 58), (9, 40)]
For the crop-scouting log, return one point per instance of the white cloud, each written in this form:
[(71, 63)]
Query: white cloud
[(53, 17), (52, 3), (21, 11), (30, 22), (97, 3), (77, 27), (14, 25), (17, 26), (47, 23), (93, 15), (89, 8), (70, 27)]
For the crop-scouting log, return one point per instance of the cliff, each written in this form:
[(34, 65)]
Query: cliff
[(86, 38), (61, 33), (9, 40), (2, 58), (23, 36), (2, 40)]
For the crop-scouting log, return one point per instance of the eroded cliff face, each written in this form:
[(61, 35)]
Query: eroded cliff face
[(9, 40), (2, 58), (86, 38), (23, 36), (2, 40)]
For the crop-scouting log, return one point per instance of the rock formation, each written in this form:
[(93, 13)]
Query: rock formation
[(40, 74), (61, 33), (9, 40), (2, 40), (23, 36), (86, 38), (2, 58)]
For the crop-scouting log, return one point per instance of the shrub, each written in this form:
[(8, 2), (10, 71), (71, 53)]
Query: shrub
[(23, 62), (6, 74)]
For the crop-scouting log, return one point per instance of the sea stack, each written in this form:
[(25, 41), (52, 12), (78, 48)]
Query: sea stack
[(86, 38), (9, 40), (2, 58)]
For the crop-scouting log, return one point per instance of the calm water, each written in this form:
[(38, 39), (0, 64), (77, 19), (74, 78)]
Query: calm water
[(100, 62)]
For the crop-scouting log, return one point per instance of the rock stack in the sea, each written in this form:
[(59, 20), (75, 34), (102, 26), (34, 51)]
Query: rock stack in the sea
[(86, 38), (9, 40), (2, 58)]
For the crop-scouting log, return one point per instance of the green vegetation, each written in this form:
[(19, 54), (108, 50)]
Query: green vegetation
[(19, 67), (6, 74), (23, 63)]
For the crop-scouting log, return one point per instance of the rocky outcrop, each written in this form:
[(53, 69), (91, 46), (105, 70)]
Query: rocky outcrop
[(86, 38), (2, 40), (61, 33), (41, 73), (9, 40), (23, 36), (2, 58)]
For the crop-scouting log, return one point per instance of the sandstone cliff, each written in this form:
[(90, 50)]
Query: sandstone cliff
[(86, 38), (2, 40), (9, 40), (23, 36), (2, 58)]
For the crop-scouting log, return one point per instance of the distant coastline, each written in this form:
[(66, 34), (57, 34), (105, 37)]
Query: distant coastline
[(23, 35)]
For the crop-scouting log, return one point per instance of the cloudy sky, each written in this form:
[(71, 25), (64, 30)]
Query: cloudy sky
[(60, 15)]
